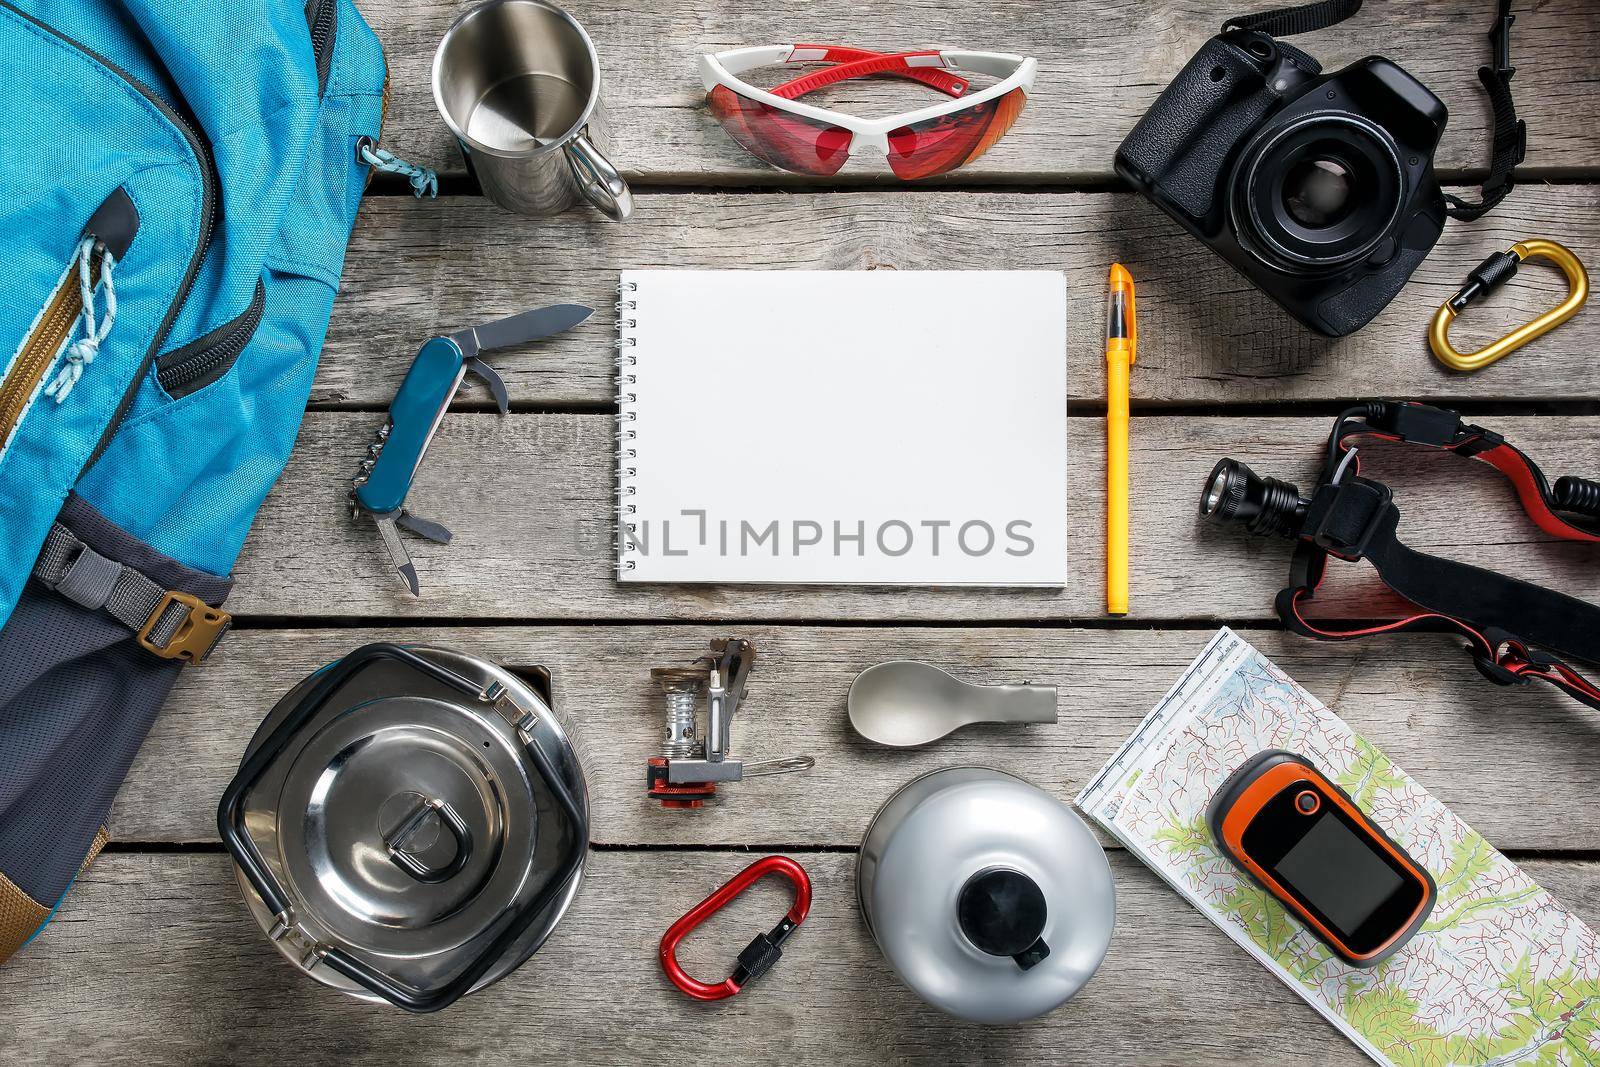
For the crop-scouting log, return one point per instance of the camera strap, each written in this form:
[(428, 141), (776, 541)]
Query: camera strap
[(1298, 18), (1515, 629), (1509, 145)]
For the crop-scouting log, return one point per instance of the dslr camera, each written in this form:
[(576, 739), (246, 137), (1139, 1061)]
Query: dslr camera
[(1318, 188)]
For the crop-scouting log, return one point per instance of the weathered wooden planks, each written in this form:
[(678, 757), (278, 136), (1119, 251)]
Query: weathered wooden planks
[(416, 269), (530, 500), (154, 959), (1517, 764), (1100, 66)]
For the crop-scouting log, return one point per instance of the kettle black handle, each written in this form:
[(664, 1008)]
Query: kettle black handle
[(230, 825)]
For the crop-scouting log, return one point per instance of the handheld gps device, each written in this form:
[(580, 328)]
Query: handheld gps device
[(1302, 839)]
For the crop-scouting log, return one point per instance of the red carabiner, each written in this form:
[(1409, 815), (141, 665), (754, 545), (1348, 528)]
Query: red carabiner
[(762, 953)]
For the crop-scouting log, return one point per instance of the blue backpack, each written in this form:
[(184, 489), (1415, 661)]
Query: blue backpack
[(178, 179)]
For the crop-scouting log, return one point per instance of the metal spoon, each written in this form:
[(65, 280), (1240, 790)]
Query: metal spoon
[(904, 703)]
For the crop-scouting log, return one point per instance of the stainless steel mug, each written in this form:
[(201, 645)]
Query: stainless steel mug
[(518, 83)]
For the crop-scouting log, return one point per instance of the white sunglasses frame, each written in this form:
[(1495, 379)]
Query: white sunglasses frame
[(723, 68)]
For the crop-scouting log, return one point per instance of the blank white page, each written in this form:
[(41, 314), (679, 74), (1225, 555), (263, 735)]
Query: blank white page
[(881, 427)]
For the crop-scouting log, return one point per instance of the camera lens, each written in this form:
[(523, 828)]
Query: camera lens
[(1235, 493), (1317, 193)]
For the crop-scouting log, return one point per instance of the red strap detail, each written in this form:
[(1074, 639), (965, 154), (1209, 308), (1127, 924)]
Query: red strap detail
[(1382, 628), (1516, 661), (860, 63), (1509, 657), (1514, 465), (1570, 679)]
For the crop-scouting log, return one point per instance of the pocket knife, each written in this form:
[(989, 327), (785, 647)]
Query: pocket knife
[(379, 490)]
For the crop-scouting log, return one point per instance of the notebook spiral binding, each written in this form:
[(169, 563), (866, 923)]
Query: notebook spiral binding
[(622, 526)]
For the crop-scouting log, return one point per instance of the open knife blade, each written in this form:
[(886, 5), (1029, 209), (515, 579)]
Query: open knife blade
[(520, 328)]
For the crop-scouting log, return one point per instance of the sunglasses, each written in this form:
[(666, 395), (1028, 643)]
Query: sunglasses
[(774, 126)]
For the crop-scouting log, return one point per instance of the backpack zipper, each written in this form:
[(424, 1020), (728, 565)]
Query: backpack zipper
[(41, 345), (322, 16), (203, 361), (208, 216), (109, 232)]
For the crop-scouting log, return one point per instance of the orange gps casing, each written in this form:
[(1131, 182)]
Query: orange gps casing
[(1270, 805)]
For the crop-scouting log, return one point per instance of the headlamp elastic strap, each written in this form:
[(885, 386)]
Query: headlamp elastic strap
[(1569, 509), (1510, 624)]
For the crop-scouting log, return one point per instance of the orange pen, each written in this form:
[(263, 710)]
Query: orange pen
[(1121, 344)]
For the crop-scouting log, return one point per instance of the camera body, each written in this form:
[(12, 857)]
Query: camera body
[(1318, 188)]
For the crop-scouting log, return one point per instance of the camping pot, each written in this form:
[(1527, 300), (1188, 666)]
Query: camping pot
[(409, 824), (518, 83), (988, 896)]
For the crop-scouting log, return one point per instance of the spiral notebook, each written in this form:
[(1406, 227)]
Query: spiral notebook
[(872, 427)]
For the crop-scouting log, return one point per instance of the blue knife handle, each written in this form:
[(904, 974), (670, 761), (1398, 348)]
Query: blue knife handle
[(427, 390)]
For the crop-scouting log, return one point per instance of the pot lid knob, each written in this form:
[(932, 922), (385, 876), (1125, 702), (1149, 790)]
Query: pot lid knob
[(1003, 913), (401, 840)]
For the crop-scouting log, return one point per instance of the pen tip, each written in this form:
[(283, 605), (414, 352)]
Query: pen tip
[(1120, 276)]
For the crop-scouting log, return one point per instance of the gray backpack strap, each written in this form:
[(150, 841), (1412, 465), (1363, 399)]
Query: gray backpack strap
[(169, 623)]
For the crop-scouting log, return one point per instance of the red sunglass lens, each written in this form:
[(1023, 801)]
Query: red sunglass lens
[(942, 144), (786, 140)]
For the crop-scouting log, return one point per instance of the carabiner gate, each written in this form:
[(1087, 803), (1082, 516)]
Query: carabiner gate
[(762, 953), (1489, 276)]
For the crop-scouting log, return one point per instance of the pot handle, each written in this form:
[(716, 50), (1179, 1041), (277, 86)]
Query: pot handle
[(602, 186), (395, 842)]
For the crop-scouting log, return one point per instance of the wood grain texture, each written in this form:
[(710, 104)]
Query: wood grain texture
[(1100, 67), (530, 500), (1206, 335), (1516, 764), (154, 959)]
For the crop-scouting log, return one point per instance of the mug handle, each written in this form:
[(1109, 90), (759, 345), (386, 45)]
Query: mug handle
[(601, 184)]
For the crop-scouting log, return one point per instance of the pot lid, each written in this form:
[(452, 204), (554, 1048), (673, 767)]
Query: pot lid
[(990, 898), (406, 824), (409, 822)]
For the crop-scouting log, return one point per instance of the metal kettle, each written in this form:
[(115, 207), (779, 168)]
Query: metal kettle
[(408, 824), (990, 898)]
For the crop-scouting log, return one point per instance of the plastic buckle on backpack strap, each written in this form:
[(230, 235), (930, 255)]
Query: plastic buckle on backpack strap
[(202, 627)]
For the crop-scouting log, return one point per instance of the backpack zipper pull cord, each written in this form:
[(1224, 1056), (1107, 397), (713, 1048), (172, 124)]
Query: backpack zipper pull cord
[(82, 351), (423, 179)]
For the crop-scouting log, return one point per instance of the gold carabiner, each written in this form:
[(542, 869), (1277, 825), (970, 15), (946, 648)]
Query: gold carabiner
[(1490, 275)]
